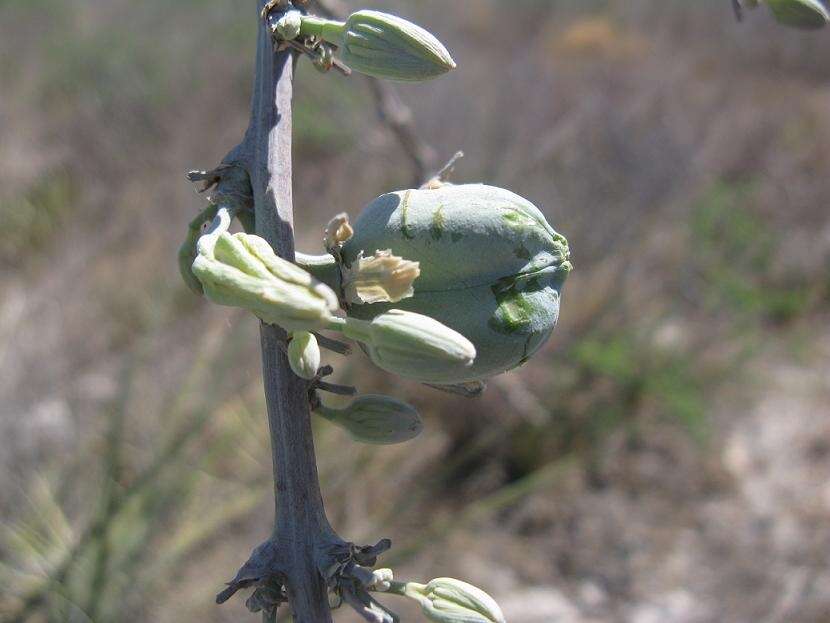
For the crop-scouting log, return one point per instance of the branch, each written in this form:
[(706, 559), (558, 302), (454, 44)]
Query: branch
[(392, 112), (398, 118)]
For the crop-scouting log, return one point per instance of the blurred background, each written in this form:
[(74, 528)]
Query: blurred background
[(664, 459)]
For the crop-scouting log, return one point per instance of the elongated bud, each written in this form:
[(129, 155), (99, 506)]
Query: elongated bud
[(807, 14), (382, 278), (243, 271), (446, 600), (304, 354), (382, 45), (188, 250), (412, 345), (378, 420)]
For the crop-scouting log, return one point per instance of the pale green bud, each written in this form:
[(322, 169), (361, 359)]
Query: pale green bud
[(243, 271), (807, 14), (288, 26), (304, 354), (378, 420), (446, 600), (383, 45), (412, 345), (382, 278), (491, 268)]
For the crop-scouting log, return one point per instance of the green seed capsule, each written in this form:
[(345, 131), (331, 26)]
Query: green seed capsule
[(806, 14), (374, 419), (446, 600), (382, 45), (304, 354), (491, 268)]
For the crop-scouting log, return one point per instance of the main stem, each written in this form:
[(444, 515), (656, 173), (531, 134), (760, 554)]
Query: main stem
[(300, 525)]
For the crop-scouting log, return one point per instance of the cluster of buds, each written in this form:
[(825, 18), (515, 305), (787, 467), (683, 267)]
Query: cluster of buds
[(242, 270), (805, 14), (488, 302)]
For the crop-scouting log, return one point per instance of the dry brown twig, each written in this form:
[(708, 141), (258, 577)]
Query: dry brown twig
[(392, 111)]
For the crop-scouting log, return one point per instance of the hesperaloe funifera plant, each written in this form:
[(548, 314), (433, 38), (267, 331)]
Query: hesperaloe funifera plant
[(445, 285)]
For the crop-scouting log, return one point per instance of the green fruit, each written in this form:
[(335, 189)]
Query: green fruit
[(492, 268)]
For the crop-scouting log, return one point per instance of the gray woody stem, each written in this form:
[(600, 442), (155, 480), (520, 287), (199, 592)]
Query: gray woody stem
[(301, 529)]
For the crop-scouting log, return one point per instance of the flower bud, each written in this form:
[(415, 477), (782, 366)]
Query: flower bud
[(383, 45), (382, 278), (288, 26), (807, 14), (304, 354), (243, 271), (378, 420), (383, 579), (412, 345), (492, 268), (446, 600)]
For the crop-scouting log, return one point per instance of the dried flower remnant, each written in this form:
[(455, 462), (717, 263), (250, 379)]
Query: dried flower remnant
[(381, 278)]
